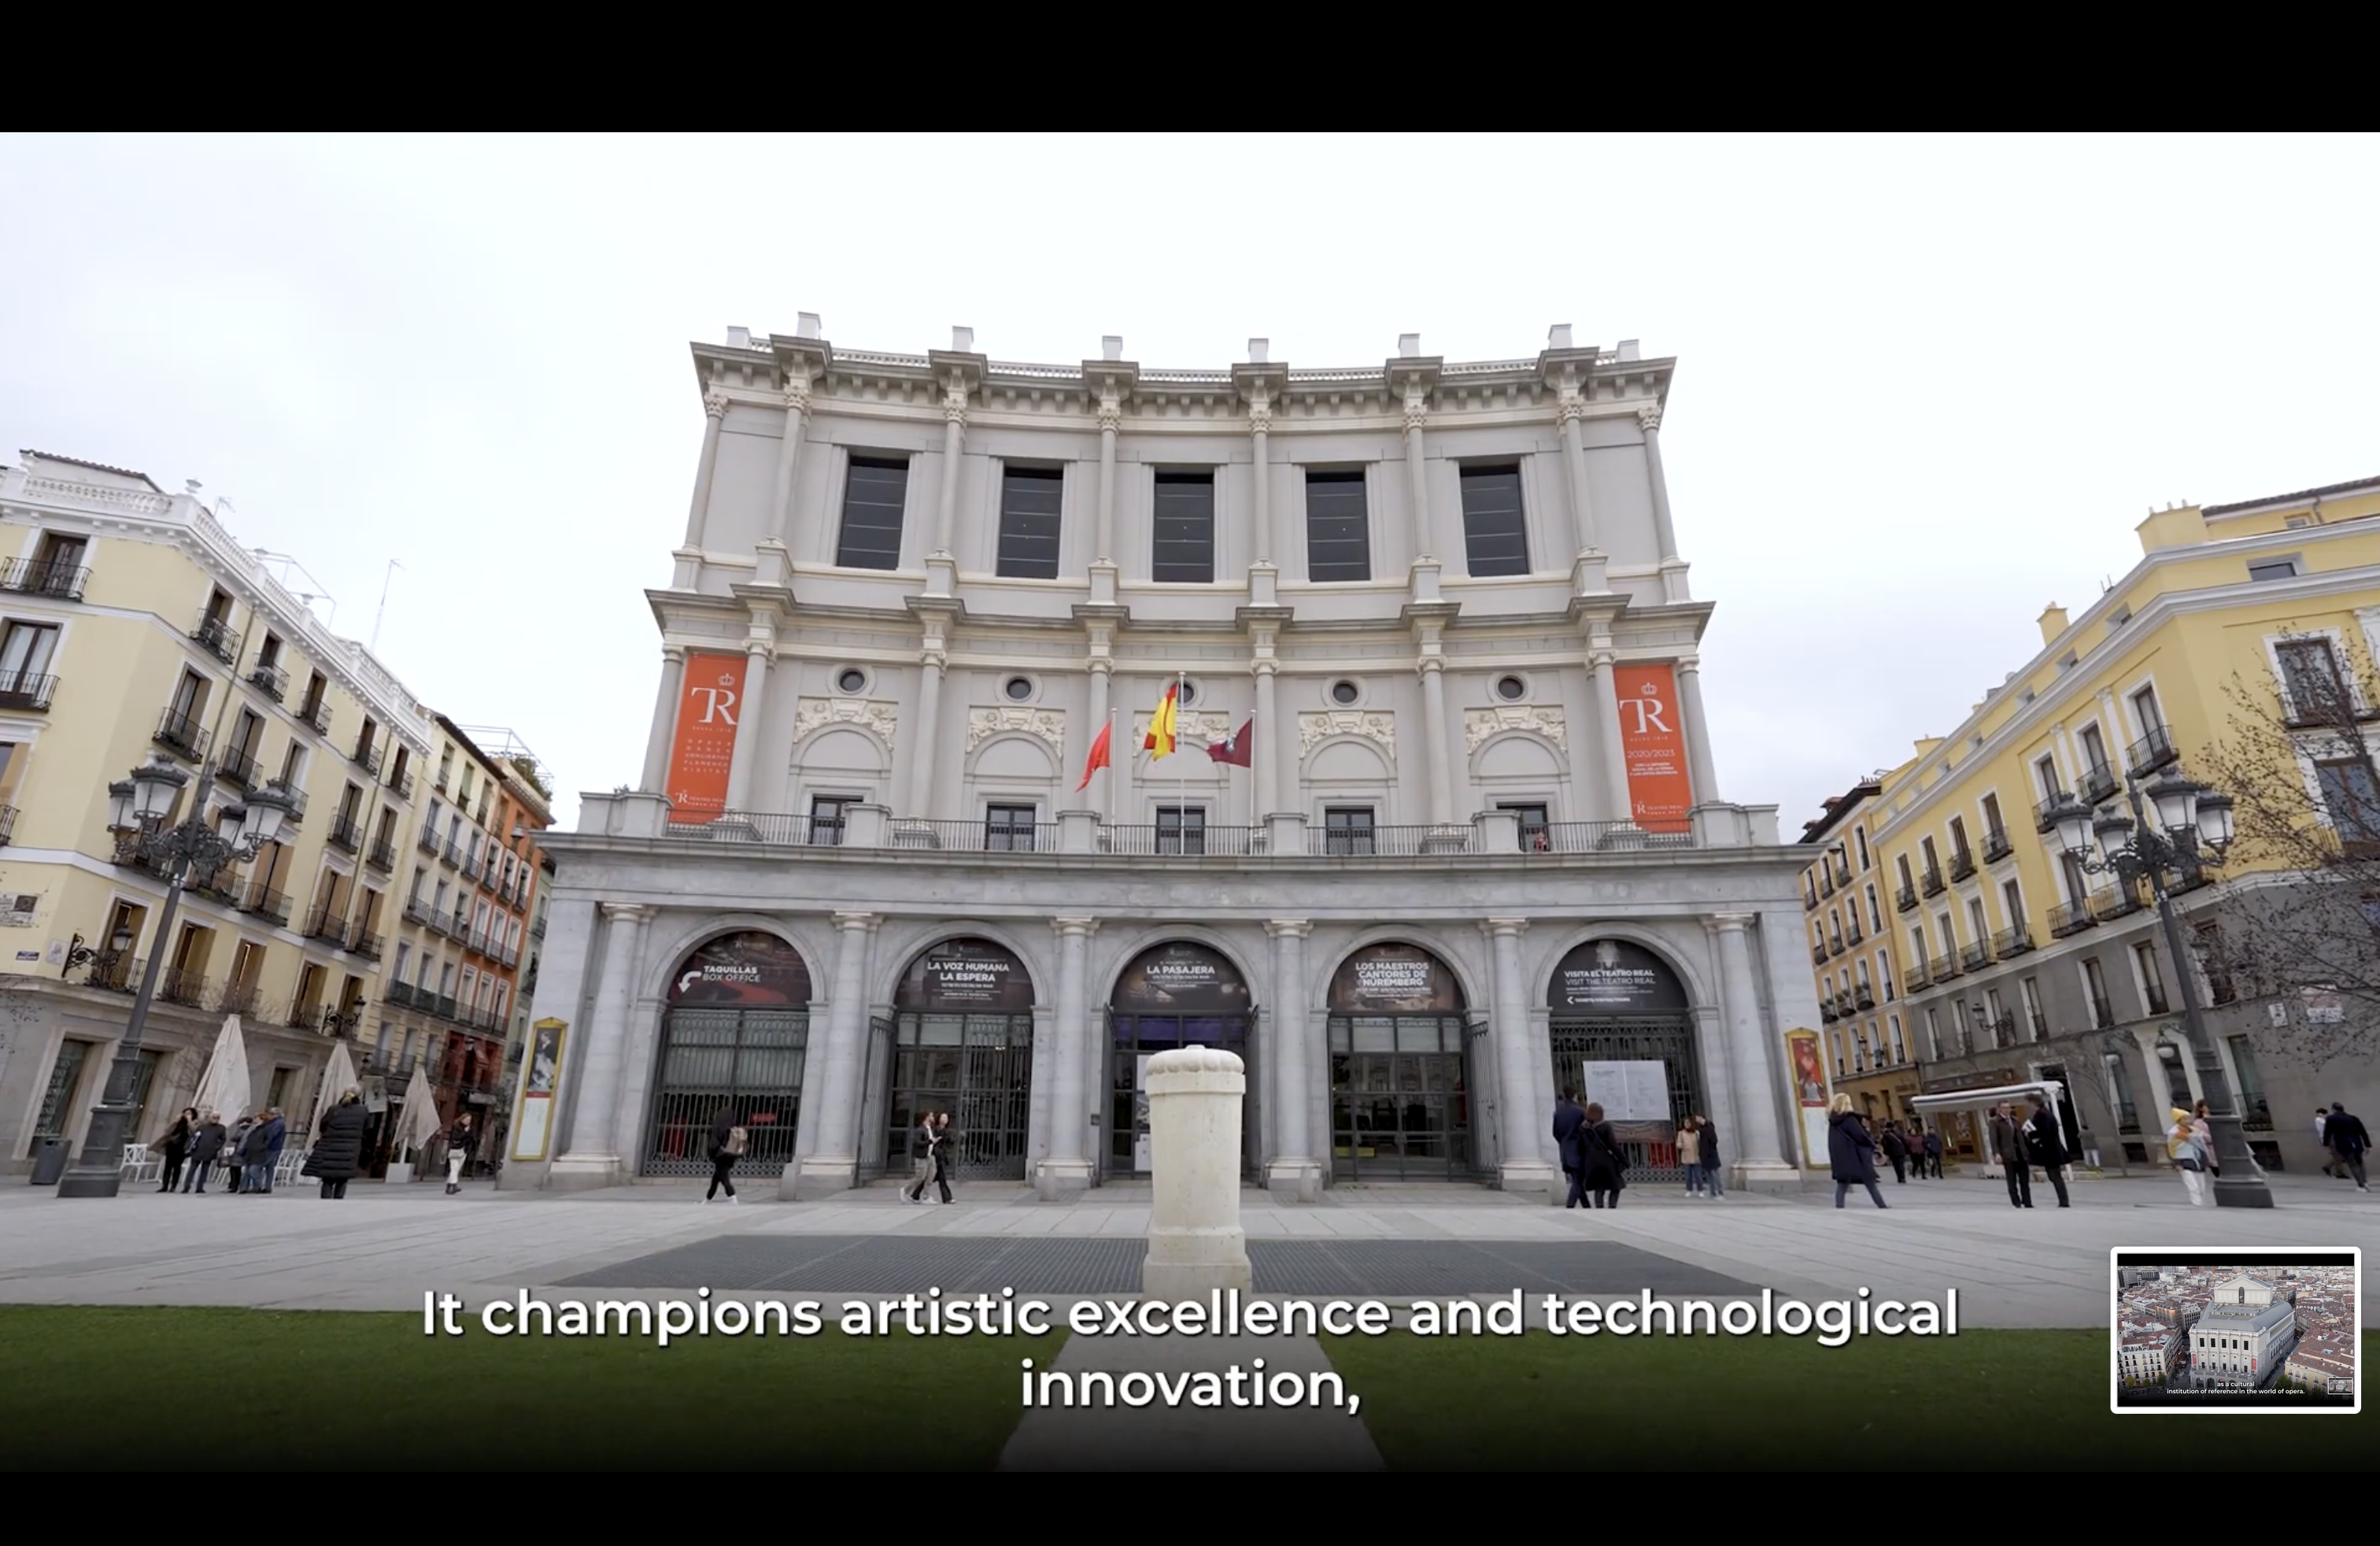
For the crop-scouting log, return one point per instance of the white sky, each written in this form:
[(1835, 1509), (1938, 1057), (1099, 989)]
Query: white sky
[(1924, 386)]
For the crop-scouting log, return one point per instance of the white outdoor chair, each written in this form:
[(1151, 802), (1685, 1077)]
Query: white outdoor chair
[(142, 1164), (290, 1171)]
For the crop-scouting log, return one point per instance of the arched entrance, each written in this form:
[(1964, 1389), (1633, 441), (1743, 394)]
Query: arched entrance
[(1177, 995), (961, 1037), (735, 1033), (1622, 1032), (1400, 1039)]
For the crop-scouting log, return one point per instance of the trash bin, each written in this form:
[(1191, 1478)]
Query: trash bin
[(50, 1158)]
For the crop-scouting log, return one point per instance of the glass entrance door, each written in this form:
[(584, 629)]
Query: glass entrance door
[(978, 1068), (1399, 1098), (1133, 1039)]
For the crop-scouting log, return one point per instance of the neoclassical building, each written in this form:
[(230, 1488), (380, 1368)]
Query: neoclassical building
[(1440, 834)]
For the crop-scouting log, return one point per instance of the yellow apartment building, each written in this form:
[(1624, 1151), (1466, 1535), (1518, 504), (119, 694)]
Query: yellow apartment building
[(2013, 962), (1846, 902), (134, 628)]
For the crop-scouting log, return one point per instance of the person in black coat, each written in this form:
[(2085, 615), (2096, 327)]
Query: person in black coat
[(276, 1137), (1706, 1146), (725, 1152), (1607, 1168), (2348, 1141), (338, 1155), (1850, 1153), (2048, 1146), (946, 1153), (253, 1171), (1896, 1149), (1570, 1119), (205, 1144), (175, 1145)]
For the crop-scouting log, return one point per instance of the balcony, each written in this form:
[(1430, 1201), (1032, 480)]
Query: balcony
[(1945, 968), (323, 923), (2040, 1024), (369, 755), (443, 1006), (188, 989), (226, 886), (2154, 994), (270, 680), (398, 994), (1916, 981), (1834, 944), (7, 824), (317, 716), (345, 834), (2002, 1032), (369, 947), (1996, 846), (537, 928), (295, 796), (1809, 899), (1818, 955), (2044, 815), (427, 841), (2098, 782), (459, 925), (2151, 753), (382, 856), (1962, 865), (267, 904), (237, 767), (1932, 884), (1827, 884), (240, 998), (26, 693), (1905, 898), (2317, 699), (453, 854), (2103, 1015), (45, 578), (2110, 903), (1863, 999), (303, 1015), (2011, 942), (1975, 957), (215, 636), (117, 973), (1826, 1014), (182, 734), (2068, 918), (401, 780), (419, 912)]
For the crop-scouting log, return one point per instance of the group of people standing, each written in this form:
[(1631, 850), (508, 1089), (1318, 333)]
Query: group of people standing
[(2020, 1143), (1911, 1148), (1597, 1166), (248, 1151)]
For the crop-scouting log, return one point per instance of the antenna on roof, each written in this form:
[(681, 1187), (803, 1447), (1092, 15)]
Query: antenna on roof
[(393, 567)]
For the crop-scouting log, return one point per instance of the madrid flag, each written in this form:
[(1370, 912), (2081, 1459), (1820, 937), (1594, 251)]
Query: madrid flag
[(1097, 759)]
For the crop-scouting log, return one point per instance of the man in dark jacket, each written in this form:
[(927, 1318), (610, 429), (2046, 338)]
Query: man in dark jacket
[(1570, 1120), (251, 1156), (1933, 1154), (204, 1145), (2007, 1148), (1896, 1149), (2048, 1146), (276, 1138), (2348, 1141)]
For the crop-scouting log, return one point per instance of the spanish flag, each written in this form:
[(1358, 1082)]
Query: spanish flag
[(1159, 742)]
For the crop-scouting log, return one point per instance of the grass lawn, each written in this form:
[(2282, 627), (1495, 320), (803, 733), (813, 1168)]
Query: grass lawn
[(1984, 1400), (87, 1388)]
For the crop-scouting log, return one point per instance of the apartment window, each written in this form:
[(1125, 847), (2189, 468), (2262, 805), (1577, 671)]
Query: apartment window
[(1495, 536), (1959, 838), (827, 818), (2012, 900), (1994, 830), (2274, 569), (2352, 801), (1917, 951), (2044, 772), (2094, 748), (2152, 979), (1950, 933), (1933, 1033), (57, 566), (1030, 498), (1347, 829), (57, 1101), (1977, 929), (2311, 678), (404, 958), (1884, 975), (247, 735), (1875, 913), (190, 703), (1181, 541), (1537, 827), (1181, 829), (315, 687), (1900, 862), (1338, 528), (2145, 710), (1010, 828), (1859, 837), (1995, 1011), (2094, 981), (2252, 1104), (1899, 1048), (268, 654), (873, 492), (2207, 946), (26, 650)]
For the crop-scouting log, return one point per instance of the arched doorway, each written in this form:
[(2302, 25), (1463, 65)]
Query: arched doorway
[(735, 1033), (961, 1038), (1177, 995), (1400, 1039), (1622, 1032)]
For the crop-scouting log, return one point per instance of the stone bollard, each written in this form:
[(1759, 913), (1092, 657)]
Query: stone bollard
[(1195, 1245)]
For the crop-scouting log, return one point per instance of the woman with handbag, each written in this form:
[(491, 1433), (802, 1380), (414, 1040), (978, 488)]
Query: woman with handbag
[(2181, 1147), (1606, 1167)]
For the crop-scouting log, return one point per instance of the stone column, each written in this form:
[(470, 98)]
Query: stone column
[(698, 516), (1700, 764), (839, 1065), (1416, 470), (1759, 1155), (1433, 708), (1268, 765), (1111, 420), (1196, 1097), (1295, 1170), (1260, 429), (1521, 1165), (597, 1152), (656, 745), (748, 729), (1574, 437), (1617, 805), (921, 751), (789, 456), (1068, 1168), (1673, 567)]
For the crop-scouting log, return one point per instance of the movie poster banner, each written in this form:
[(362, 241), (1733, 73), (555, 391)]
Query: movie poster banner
[(702, 749), (1180, 979), (1653, 741), (1805, 1056), (540, 1082), (967, 976), (1394, 979)]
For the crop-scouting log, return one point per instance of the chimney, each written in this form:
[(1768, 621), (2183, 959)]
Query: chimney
[(809, 326), (962, 340), (1258, 349), (2053, 623), (1111, 347), (1409, 345), (1631, 349), (739, 337), (2179, 526), (1558, 338)]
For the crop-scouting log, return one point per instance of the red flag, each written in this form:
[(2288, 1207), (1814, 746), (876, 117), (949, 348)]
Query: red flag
[(1238, 751), (1097, 759)]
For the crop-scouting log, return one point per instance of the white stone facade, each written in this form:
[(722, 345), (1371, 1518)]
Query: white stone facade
[(1477, 843)]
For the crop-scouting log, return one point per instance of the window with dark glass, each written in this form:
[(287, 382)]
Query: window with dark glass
[(827, 819), (1182, 546), (1338, 528), (1181, 829), (2352, 801), (1347, 829), (1030, 502), (1009, 828), (1493, 535), (1536, 832), (873, 493)]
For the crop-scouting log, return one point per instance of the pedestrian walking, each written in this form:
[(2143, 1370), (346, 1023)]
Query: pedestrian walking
[(175, 1145), (2348, 1142), (204, 1145), (727, 1144), (338, 1156), (1896, 1149), (921, 1159), (1706, 1141), (1690, 1154), (1850, 1153), (2181, 1147), (2322, 1141), (2047, 1147), (1934, 1153), (1607, 1168), (276, 1138), (946, 1154), (2007, 1148), (2205, 1130), (461, 1139), (1569, 1122)]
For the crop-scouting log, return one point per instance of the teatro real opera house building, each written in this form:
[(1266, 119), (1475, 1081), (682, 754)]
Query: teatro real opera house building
[(1439, 834)]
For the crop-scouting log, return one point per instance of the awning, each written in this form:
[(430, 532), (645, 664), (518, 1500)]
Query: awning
[(1954, 1099)]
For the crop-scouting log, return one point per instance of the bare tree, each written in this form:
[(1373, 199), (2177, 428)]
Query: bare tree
[(2299, 922)]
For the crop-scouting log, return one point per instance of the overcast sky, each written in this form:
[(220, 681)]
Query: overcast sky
[(1924, 386)]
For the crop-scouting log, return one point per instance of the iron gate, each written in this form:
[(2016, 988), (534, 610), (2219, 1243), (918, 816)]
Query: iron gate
[(1133, 1037), (749, 1061), (1668, 1039), (978, 1068)]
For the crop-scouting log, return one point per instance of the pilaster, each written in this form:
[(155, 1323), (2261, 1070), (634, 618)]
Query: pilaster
[(1067, 1171), (834, 1166), (1522, 1167), (1295, 1171)]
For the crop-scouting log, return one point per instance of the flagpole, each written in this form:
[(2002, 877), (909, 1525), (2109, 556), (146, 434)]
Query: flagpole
[(1182, 811)]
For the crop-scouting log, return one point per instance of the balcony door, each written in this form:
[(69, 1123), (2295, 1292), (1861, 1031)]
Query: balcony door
[(27, 650)]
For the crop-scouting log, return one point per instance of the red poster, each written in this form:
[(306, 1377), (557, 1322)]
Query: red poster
[(1652, 737), (710, 703)]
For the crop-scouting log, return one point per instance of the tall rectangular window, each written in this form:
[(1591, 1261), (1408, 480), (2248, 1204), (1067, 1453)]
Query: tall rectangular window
[(1030, 502), (1338, 528), (1495, 538), (1347, 829), (1010, 828), (1181, 829), (873, 493), (2352, 801), (1182, 545)]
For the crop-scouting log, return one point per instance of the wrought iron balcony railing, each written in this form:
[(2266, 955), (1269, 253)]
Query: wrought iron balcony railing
[(182, 734), (45, 578), (270, 680), (215, 636), (1996, 846), (2151, 753), (26, 692)]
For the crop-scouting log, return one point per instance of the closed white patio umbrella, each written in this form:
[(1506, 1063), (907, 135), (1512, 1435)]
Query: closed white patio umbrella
[(224, 1088), (338, 1078), (421, 1123)]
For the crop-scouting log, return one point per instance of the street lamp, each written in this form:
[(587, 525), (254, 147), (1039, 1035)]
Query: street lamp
[(339, 1024), (137, 808), (2191, 828)]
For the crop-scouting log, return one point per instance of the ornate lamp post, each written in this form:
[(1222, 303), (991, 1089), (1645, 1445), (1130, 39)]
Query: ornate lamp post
[(2192, 828), (137, 814)]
